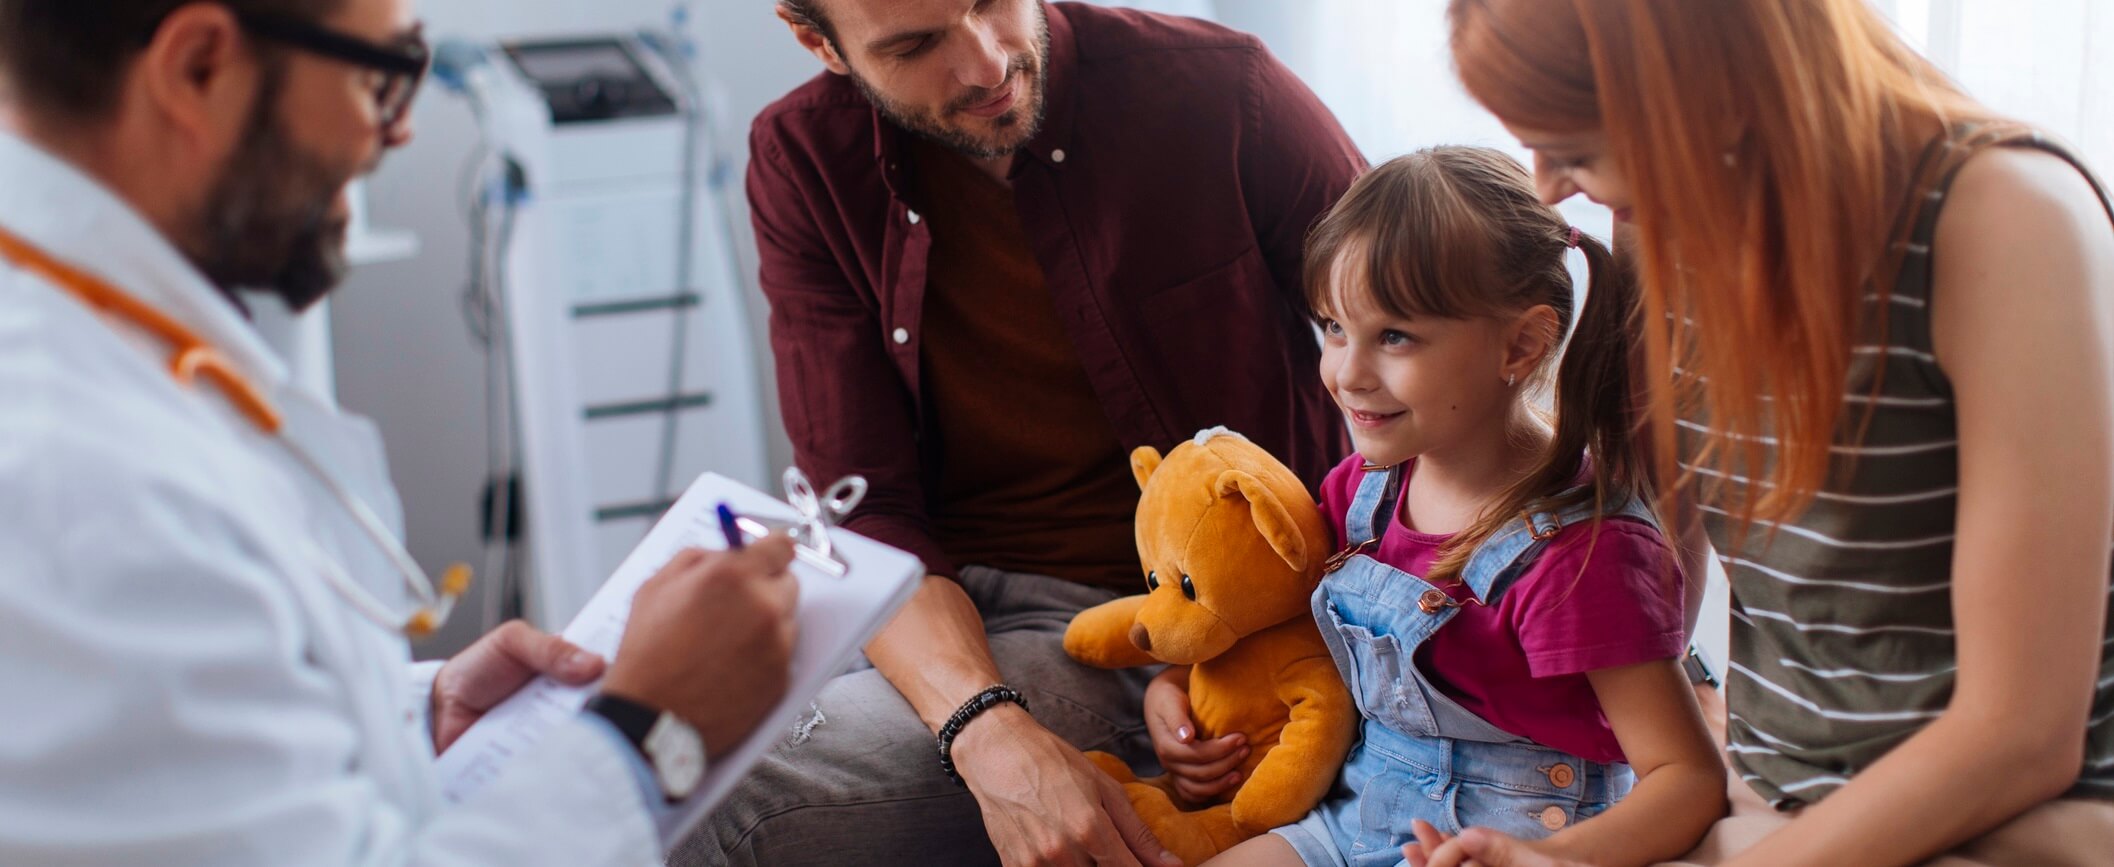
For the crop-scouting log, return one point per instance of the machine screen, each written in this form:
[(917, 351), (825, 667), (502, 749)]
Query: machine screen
[(591, 80), (554, 64)]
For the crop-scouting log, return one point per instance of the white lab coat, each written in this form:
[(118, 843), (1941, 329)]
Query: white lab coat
[(178, 685)]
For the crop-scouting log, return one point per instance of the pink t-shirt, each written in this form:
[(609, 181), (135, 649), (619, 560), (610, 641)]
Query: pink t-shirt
[(1521, 664)]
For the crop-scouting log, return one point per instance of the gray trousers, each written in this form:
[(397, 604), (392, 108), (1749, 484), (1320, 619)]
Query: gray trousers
[(866, 788)]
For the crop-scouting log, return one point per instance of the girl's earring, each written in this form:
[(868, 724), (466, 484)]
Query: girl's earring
[(1510, 378)]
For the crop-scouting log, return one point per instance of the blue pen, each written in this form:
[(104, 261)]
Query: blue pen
[(729, 528)]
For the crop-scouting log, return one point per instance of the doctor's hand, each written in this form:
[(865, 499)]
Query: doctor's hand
[(497, 666), (711, 640), (1202, 769)]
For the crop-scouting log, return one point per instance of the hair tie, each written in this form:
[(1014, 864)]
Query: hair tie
[(1572, 242)]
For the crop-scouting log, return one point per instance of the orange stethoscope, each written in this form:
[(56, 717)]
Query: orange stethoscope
[(193, 360)]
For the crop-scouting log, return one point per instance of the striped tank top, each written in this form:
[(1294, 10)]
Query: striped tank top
[(1842, 641)]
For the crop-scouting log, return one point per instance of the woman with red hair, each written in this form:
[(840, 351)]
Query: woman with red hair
[(1878, 327)]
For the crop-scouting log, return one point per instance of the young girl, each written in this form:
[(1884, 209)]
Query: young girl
[(1884, 348), (1503, 608)]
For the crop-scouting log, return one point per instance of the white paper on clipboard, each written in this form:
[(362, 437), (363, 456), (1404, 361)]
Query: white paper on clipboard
[(837, 616)]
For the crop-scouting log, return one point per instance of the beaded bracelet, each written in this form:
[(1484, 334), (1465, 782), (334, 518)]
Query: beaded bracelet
[(991, 697)]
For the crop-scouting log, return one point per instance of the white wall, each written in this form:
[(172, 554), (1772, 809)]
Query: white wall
[(404, 354)]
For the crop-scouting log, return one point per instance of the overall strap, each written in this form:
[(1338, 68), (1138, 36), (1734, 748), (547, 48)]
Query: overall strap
[(1373, 506), (1370, 510), (1507, 554)]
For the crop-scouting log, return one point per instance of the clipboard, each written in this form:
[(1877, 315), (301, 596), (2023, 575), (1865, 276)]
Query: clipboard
[(839, 611)]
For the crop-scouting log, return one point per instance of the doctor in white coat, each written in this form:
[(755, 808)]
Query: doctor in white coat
[(202, 599)]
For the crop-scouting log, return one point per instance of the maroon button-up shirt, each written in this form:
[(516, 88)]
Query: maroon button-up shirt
[(1167, 198)]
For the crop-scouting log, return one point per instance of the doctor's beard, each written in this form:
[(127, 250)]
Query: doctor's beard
[(271, 221)]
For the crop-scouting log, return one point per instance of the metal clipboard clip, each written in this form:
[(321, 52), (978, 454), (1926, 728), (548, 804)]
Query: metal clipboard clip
[(818, 513)]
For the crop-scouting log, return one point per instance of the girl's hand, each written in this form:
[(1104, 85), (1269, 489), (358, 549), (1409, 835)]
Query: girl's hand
[(1202, 771), (1475, 846)]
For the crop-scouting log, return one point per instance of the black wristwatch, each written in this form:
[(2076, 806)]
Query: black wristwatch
[(671, 747), (1698, 667)]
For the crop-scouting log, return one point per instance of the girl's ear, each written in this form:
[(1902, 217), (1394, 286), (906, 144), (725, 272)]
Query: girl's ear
[(1530, 339)]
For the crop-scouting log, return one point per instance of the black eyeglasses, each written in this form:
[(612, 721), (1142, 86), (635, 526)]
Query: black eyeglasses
[(402, 67)]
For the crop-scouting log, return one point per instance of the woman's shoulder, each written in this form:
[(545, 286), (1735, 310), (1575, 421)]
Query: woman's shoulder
[(2019, 179), (2017, 206), (2023, 250)]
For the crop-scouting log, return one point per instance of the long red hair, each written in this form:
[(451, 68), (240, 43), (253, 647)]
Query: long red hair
[(1769, 146)]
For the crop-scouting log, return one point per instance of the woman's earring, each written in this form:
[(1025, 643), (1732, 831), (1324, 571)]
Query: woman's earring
[(1511, 378)]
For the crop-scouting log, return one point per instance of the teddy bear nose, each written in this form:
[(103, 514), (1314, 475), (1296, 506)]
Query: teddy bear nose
[(1140, 637)]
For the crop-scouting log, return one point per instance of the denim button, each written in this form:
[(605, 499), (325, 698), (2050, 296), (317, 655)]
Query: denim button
[(1554, 818), (1561, 776), (1432, 602)]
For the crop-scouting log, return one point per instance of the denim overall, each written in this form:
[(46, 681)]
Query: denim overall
[(1421, 755)]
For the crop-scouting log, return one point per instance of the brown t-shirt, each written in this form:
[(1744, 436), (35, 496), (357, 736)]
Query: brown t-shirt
[(1031, 476)]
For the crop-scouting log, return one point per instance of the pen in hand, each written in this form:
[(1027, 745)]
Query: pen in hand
[(730, 528)]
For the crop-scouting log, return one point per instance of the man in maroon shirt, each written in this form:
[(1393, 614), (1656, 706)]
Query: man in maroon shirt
[(1004, 243)]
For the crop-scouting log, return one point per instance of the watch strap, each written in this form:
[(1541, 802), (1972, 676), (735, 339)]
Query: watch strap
[(1698, 667), (632, 719)]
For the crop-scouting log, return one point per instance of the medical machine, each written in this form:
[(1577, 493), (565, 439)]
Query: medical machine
[(604, 282)]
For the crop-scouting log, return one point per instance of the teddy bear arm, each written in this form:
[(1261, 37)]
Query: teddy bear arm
[(1100, 636), (1318, 733)]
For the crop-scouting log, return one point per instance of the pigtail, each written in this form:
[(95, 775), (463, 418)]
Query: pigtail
[(1598, 410)]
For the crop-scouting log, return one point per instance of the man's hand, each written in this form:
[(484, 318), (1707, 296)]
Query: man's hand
[(711, 639), (497, 666), (1202, 770), (1044, 804), (1477, 846)]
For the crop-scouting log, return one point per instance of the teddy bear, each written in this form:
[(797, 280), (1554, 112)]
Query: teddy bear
[(1232, 545)]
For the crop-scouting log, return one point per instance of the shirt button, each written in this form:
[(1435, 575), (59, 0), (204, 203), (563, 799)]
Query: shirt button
[(1057, 156), (1554, 818), (902, 335), (914, 218)]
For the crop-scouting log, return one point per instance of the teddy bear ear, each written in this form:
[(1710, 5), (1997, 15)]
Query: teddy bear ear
[(1143, 460), (1268, 512)]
